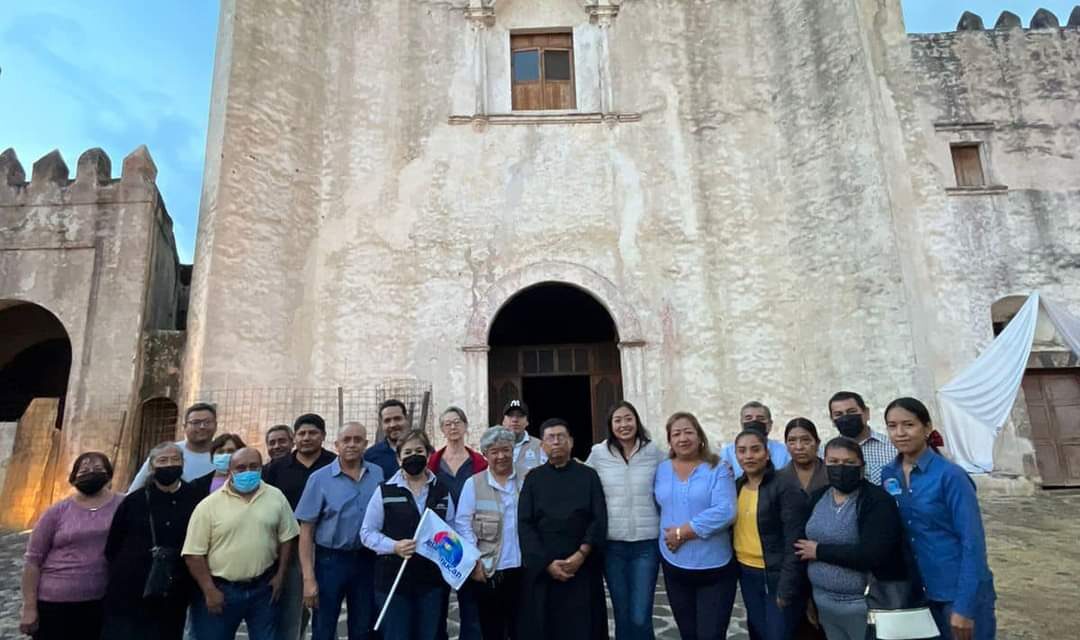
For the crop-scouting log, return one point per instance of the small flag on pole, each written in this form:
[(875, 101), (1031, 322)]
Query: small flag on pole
[(438, 542)]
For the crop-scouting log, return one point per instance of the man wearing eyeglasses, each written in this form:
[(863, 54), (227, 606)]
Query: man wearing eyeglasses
[(200, 425)]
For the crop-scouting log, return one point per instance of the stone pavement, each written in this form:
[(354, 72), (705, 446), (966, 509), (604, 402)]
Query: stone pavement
[(1032, 546)]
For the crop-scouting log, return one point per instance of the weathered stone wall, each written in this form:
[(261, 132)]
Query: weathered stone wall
[(350, 227), (90, 251), (1015, 91)]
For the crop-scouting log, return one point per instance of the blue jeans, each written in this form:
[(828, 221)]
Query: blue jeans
[(344, 576), (985, 620), (247, 602), (766, 620), (412, 615), (630, 569)]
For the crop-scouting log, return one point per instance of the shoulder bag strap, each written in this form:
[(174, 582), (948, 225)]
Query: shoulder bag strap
[(150, 515)]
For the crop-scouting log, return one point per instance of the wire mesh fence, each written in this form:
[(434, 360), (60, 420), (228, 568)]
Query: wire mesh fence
[(249, 412)]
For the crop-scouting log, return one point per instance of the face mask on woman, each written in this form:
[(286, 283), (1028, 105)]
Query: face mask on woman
[(221, 462), (90, 483), (166, 476), (845, 478), (414, 464)]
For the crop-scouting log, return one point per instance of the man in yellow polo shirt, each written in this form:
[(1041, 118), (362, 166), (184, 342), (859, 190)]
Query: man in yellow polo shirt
[(237, 548)]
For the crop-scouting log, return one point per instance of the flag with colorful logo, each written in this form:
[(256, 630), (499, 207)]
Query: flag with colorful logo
[(438, 542)]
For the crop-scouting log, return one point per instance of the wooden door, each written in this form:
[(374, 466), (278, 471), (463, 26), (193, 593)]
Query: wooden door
[(606, 392), (1053, 402)]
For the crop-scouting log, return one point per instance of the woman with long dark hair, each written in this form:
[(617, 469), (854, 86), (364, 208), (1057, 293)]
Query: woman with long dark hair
[(626, 462), (65, 574), (696, 494), (807, 470), (938, 504)]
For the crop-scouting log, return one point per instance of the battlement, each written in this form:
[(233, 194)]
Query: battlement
[(51, 184), (1041, 20)]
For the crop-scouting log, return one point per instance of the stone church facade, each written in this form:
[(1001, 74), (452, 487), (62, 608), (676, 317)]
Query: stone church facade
[(685, 204)]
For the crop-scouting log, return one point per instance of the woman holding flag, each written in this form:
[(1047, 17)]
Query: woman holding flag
[(389, 529)]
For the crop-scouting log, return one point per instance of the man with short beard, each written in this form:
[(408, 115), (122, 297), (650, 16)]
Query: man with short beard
[(395, 424), (200, 425)]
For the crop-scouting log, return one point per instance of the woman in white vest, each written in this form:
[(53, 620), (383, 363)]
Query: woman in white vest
[(626, 463), (487, 517)]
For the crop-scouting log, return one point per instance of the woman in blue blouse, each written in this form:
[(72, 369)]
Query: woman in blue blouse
[(941, 515), (696, 494)]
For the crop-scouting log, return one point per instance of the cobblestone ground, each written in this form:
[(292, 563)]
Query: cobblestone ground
[(1033, 546)]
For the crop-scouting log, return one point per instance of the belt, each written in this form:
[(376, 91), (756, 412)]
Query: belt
[(257, 580)]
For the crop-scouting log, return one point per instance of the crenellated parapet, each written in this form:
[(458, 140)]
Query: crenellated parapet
[(53, 206), (50, 177), (1042, 19)]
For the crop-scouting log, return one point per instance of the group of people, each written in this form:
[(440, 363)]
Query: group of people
[(208, 536)]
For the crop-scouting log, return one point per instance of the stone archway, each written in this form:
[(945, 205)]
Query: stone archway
[(35, 365), (616, 302)]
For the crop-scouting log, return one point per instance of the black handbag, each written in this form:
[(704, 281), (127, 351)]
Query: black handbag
[(164, 564)]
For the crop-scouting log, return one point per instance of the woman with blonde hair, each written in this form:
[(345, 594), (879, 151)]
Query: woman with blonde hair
[(697, 503)]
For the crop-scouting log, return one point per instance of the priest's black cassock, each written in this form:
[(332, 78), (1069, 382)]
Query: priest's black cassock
[(559, 510)]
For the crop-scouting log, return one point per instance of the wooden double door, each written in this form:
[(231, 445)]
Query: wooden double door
[(1053, 402), (577, 382)]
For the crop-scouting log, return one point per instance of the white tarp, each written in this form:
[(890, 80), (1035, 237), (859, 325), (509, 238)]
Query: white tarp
[(976, 403)]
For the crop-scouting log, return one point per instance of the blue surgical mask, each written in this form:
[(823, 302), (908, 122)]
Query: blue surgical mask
[(221, 461), (246, 481)]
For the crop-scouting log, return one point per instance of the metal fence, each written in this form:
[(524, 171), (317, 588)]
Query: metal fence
[(249, 412)]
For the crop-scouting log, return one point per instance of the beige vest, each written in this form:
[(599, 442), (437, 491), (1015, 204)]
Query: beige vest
[(529, 457), (487, 520)]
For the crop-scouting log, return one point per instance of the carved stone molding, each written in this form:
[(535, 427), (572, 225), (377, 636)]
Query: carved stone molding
[(602, 12), (480, 13)]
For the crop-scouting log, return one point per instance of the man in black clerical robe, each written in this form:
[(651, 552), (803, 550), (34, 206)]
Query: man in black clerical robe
[(562, 525)]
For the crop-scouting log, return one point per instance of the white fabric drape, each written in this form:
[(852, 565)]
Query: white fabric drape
[(976, 403)]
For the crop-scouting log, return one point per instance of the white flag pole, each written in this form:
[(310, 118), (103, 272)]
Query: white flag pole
[(400, 571)]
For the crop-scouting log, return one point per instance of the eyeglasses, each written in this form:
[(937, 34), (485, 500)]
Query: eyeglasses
[(556, 437), (201, 423), (452, 423)]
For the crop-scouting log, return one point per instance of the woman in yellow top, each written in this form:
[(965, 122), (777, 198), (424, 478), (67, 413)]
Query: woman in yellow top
[(771, 517)]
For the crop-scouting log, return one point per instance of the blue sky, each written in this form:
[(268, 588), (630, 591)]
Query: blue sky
[(119, 73)]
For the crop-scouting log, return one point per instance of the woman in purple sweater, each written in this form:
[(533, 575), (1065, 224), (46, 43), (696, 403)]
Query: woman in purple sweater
[(64, 577)]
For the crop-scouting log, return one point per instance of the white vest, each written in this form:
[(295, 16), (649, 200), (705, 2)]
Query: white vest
[(628, 490)]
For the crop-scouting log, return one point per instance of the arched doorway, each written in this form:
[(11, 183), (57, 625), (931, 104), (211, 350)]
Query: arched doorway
[(556, 347), (35, 359), (1051, 392)]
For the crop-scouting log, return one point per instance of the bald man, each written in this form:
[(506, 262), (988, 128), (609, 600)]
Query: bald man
[(335, 565), (238, 543)]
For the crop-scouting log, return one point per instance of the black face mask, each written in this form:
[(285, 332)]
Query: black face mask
[(166, 476), (90, 483), (414, 464), (755, 425), (844, 478), (850, 425)]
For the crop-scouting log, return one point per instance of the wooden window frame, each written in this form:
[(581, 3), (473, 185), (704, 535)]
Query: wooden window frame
[(542, 80), (961, 173)]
